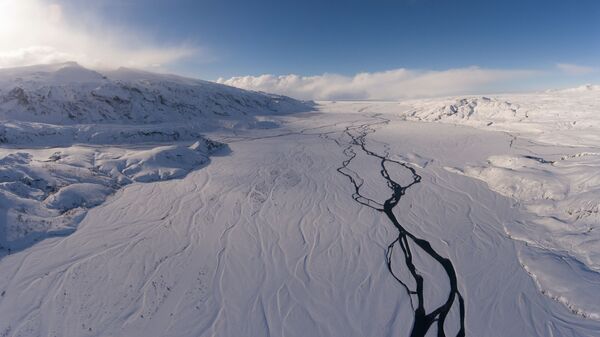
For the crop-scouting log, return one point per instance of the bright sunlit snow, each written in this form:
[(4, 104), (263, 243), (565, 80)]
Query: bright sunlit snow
[(138, 204)]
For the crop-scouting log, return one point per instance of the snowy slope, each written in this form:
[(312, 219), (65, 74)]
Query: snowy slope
[(62, 104), (269, 241), (70, 94), (48, 191), (553, 176), (150, 127), (286, 230)]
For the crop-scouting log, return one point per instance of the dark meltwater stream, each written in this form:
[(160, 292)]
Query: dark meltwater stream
[(354, 144), (424, 318)]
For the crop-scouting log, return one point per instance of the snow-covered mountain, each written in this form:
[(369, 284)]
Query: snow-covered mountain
[(176, 207), (60, 111), (70, 94)]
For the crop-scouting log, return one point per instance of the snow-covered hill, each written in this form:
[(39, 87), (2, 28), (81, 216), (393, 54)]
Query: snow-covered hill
[(70, 94), (461, 216), (62, 104), (53, 119), (480, 109)]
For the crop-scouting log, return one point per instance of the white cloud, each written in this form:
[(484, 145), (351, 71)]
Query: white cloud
[(37, 31), (386, 85), (574, 69)]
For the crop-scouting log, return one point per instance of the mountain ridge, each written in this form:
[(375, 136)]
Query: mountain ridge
[(67, 93)]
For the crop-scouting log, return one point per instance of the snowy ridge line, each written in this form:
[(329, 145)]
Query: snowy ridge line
[(560, 190), (70, 94), (38, 135), (554, 279)]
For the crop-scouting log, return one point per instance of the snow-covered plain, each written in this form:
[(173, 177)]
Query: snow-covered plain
[(551, 173), (264, 234)]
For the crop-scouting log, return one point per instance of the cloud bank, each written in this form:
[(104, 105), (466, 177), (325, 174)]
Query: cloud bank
[(386, 85), (37, 32), (575, 69)]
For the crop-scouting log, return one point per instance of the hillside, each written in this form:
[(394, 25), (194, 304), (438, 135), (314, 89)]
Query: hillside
[(70, 94), (459, 216), (54, 117)]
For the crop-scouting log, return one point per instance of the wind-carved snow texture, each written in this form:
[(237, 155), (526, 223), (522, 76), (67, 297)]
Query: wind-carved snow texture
[(472, 108), (552, 176), (70, 94), (47, 192), (65, 104), (563, 192), (556, 180), (423, 318), (267, 241), (72, 136)]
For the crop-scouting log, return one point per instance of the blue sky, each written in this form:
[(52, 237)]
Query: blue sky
[(225, 38), (313, 37)]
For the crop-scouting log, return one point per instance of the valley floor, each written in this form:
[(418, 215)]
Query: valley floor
[(267, 240)]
